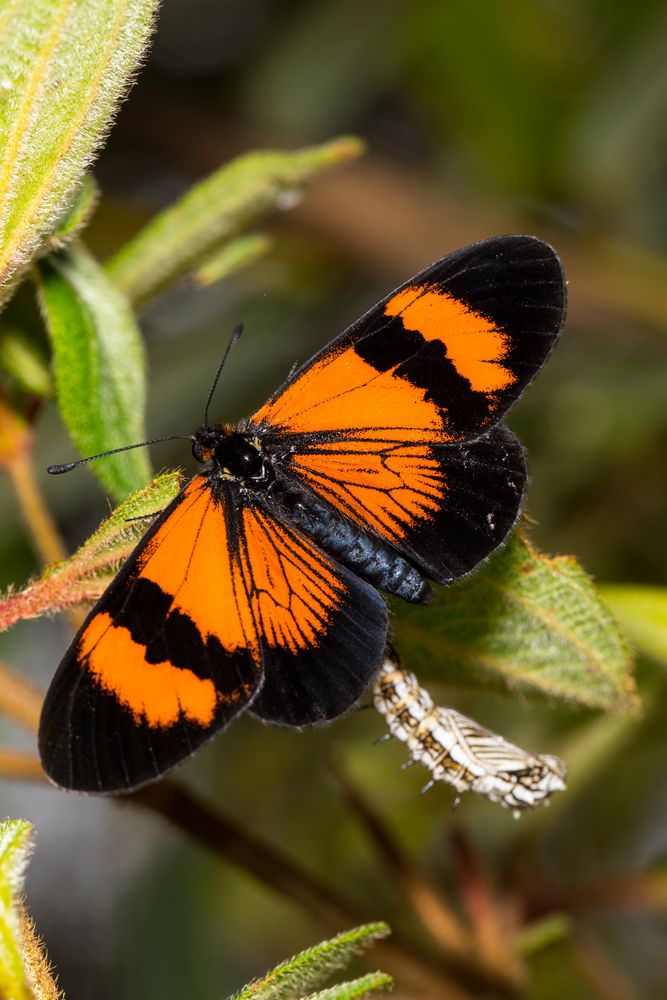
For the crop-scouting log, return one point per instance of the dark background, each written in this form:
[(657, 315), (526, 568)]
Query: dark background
[(547, 118)]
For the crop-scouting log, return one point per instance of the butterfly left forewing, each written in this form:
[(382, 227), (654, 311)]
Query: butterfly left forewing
[(165, 659), (221, 606)]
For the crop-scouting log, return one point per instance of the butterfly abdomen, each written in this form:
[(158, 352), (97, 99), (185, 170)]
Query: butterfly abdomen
[(350, 544)]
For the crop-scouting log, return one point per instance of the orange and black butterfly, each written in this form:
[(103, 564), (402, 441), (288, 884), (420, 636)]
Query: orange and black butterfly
[(380, 464)]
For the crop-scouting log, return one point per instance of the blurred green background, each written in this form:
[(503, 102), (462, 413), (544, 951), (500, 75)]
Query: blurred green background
[(548, 118)]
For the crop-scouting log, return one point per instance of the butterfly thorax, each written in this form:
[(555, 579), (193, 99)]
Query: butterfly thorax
[(233, 455)]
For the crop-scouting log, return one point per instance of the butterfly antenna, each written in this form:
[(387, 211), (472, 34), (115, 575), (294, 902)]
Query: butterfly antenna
[(233, 341), (57, 470)]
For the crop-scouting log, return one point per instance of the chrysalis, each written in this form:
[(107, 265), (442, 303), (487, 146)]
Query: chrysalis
[(460, 752)]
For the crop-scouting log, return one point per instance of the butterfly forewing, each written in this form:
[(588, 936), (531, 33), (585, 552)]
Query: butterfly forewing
[(178, 645), (394, 422)]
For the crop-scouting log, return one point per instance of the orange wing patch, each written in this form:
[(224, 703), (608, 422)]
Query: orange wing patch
[(376, 483), (274, 584), (178, 560), (156, 693), (474, 345), (341, 391), (294, 585)]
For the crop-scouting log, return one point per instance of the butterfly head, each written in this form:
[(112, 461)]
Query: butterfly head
[(233, 455)]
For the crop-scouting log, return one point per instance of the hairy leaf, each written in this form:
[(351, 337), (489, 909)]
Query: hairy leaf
[(77, 213), (310, 968), (63, 68), (356, 989), (15, 847), (180, 239), (88, 572), (99, 365), (524, 622)]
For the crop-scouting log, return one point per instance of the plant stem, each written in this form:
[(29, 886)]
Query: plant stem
[(42, 527), (35, 513), (440, 977), (20, 765), (19, 699), (435, 915), (485, 914)]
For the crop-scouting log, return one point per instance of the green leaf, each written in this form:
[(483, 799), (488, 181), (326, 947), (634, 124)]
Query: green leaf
[(310, 968), (86, 574), (525, 622), (356, 988), (24, 349), (642, 611), (99, 365), (15, 847), (543, 933), (125, 526), (180, 239), (77, 213), (63, 68), (232, 257)]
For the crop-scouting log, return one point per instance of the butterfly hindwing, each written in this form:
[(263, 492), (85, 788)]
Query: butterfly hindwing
[(178, 644), (444, 508), (322, 630)]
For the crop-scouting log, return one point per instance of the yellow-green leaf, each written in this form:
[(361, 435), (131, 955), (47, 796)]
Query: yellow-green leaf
[(98, 364), (15, 847), (524, 622), (63, 68), (24, 348), (643, 613), (180, 239)]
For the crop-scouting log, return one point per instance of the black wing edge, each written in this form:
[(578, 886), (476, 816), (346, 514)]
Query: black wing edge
[(486, 482)]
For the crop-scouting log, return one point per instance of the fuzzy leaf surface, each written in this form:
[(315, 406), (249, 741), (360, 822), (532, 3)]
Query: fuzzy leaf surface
[(85, 576), (525, 622), (63, 68), (99, 365), (356, 989), (310, 968), (15, 847)]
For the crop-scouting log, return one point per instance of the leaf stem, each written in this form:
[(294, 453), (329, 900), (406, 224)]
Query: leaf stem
[(36, 515)]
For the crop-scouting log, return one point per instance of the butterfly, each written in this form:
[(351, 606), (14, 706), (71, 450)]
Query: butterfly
[(378, 465)]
